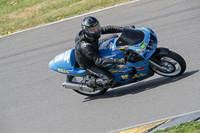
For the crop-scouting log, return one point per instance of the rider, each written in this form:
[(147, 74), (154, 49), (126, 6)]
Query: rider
[(87, 51)]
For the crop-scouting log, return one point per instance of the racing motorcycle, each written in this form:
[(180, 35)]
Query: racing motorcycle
[(144, 59)]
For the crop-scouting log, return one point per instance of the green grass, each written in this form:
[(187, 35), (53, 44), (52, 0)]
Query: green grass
[(16, 15), (187, 127)]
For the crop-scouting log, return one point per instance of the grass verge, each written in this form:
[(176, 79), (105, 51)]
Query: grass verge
[(16, 15), (187, 127)]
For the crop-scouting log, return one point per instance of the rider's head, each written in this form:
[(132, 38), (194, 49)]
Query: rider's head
[(91, 27)]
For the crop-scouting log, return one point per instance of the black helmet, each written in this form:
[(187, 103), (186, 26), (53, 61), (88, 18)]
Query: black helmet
[(91, 27)]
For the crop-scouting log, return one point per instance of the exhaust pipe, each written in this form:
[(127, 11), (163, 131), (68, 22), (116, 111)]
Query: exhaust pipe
[(77, 86)]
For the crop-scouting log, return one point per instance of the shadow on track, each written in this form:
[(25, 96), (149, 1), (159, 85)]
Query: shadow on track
[(140, 86)]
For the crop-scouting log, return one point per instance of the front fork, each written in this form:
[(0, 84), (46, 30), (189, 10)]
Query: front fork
[(154, 59), (158, 66)]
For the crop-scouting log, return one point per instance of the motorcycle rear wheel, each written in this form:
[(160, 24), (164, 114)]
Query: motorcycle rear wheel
[(86, 93), (173, 62)]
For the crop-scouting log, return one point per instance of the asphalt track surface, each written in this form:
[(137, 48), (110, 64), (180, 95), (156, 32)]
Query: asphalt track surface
[(32, 99)]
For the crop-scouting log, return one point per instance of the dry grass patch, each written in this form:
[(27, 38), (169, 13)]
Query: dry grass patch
[(22, 14)]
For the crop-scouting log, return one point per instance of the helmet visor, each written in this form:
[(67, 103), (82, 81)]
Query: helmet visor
[(94, 30)]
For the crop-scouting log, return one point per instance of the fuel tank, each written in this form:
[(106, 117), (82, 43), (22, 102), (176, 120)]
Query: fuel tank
[(109, 50)]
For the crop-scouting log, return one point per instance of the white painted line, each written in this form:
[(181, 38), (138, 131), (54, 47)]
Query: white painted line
[(171, 117), (72, 17)]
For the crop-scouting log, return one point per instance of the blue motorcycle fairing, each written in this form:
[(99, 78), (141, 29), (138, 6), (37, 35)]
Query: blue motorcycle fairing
[(109, 50), (65, 63), (151, 42), (124, 75)]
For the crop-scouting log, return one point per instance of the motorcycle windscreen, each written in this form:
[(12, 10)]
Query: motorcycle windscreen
[(130, 36)]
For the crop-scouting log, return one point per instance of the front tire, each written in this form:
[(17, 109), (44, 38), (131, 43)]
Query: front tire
[(175, 65), (86, 93)]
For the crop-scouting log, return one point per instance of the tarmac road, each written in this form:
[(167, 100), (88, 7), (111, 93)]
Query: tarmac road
[(32, 99)]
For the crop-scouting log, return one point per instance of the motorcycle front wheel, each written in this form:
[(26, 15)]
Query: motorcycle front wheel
[(86, 93), (170, 65)]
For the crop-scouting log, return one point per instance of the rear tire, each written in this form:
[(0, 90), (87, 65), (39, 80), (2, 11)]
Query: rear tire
[(86, 93), (174, 63)]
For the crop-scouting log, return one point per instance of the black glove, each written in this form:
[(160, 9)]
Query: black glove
[(121, 61), (130, 26)]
